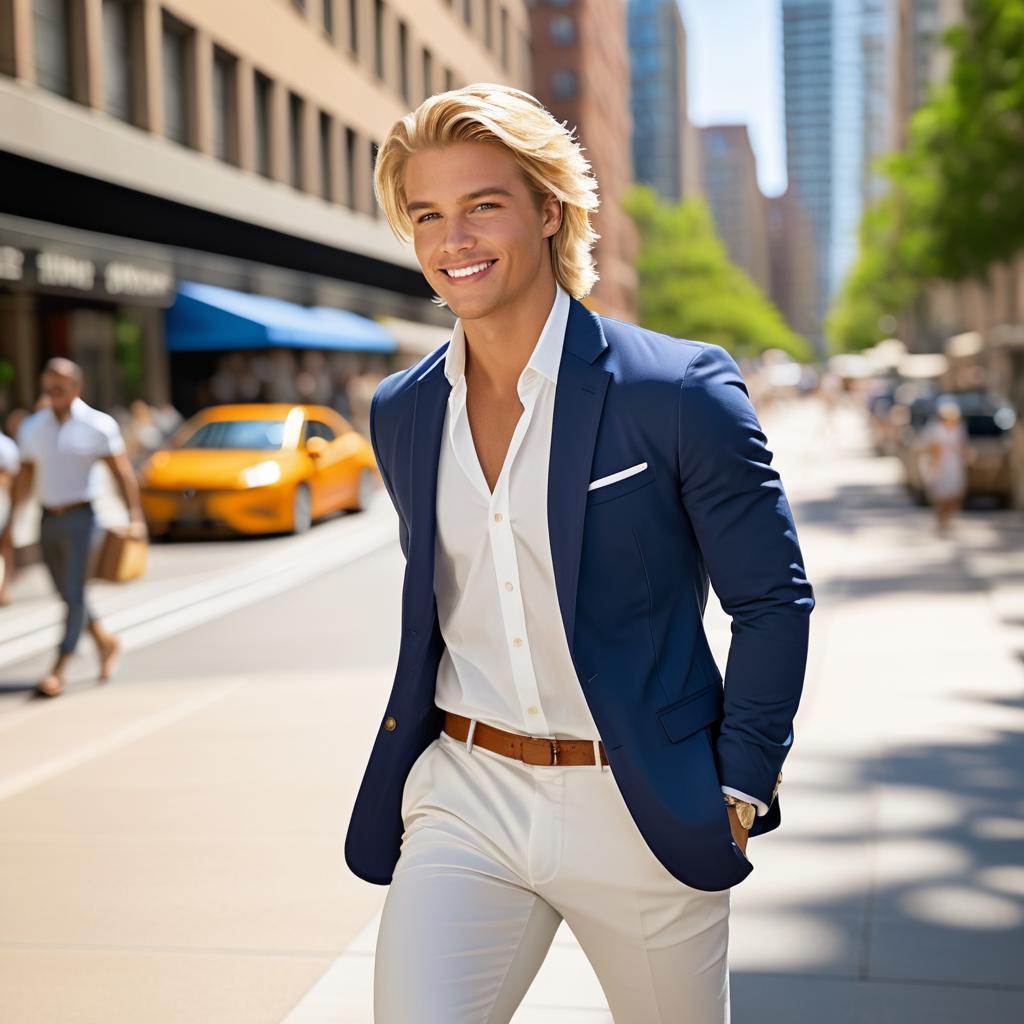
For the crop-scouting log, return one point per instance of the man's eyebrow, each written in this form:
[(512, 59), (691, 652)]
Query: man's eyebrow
[(491, 190)]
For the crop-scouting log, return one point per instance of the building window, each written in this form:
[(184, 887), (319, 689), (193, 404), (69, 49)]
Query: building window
[(176, 91), (563, 84), (51, 27), (262, 93), (351, 144), (117, 59), (428, 73), (403, 61), (504, 37), (449, 80), (378, 38), (328, 17), (467, 12), (353, 27), (296, 137), (326, 158), (563, 30), (225, 123)]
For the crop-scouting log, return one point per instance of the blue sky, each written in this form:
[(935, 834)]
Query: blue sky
[(734, 75)]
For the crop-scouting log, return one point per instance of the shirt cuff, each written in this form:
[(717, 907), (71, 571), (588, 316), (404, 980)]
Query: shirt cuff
[(762, 807)]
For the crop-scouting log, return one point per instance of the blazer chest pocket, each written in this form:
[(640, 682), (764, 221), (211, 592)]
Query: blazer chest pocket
[(615, 485)]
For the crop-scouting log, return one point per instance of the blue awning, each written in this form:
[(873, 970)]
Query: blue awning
[(206, 318)]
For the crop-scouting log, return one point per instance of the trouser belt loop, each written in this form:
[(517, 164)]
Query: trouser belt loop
[(597, 755), (469, 736)]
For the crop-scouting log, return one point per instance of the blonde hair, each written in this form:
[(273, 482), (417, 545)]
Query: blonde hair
[(546, 151)]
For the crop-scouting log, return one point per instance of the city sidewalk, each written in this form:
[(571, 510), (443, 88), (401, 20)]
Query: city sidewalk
[(893, 891)]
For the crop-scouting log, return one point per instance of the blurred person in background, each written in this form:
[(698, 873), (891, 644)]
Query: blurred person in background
[(10, 463), (944, 445), (59, 447), (557, 744), (142, 434)]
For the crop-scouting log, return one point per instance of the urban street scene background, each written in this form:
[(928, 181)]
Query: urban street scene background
[(831, 189)]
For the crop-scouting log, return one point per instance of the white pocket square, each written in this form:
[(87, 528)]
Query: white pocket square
[(616, 477)]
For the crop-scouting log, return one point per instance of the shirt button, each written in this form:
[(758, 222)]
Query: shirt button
[(498, 517), (518, 642), (532, 711), (508, 586)]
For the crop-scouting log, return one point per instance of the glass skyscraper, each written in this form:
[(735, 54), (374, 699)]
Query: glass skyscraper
[(657, 55), (836, 56)]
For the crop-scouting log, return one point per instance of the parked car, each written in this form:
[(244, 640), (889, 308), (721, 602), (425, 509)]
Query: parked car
[(257, 469), (988, 419)]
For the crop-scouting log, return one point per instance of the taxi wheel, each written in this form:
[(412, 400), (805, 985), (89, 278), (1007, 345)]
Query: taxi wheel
[(366, 489), (302, 510)]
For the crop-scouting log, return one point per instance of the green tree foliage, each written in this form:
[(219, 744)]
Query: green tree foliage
[(956, 201), (690, 289)]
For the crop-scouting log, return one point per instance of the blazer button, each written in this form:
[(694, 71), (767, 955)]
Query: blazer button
[(390, 724)]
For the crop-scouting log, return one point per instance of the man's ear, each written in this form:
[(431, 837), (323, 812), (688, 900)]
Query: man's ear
[(551, 209)]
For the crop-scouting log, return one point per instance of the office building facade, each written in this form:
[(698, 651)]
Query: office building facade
[(738, 207), (666, 147), (581, 73)]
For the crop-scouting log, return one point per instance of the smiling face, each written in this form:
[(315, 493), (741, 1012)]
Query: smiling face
[(480, 233)]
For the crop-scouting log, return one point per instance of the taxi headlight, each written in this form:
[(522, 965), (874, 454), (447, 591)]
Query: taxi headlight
[(263, 475)]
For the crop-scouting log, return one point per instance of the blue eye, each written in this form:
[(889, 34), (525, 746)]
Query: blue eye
[(420, 220)]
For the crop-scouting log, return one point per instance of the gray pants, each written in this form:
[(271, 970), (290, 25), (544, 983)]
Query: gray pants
[(66, 540)]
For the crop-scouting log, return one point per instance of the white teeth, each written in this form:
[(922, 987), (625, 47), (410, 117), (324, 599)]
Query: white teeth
[(467, 271)]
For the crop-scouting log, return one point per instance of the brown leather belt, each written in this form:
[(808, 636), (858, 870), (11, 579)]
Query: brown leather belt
[(59, 510), (527, 749)]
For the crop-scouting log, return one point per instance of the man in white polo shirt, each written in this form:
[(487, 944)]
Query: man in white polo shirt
[(60, 447), (9, 465)]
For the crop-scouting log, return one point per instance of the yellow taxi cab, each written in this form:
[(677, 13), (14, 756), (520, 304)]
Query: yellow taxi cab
[(257, 469)]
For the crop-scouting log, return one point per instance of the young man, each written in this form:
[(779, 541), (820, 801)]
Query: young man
[(557, 743), (59, 446)]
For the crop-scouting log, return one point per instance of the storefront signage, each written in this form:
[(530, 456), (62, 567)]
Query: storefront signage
[(130, 279), (119, 280), (12, 263), (58, 270)]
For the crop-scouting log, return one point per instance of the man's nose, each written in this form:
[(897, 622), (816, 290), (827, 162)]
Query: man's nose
[(457, 235)]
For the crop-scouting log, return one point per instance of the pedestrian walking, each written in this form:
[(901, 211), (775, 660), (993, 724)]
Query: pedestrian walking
[(59, 446), (557, 744), (9, 465), (944, 444)]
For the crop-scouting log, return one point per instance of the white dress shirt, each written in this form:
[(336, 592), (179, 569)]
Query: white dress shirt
[(9, 459), (507, 660), (65, 454)]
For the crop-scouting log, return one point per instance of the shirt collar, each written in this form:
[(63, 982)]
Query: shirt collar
[(546, 355), (75, 412)]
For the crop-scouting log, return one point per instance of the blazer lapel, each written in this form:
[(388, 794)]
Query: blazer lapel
[(418, 605), (579, 399)]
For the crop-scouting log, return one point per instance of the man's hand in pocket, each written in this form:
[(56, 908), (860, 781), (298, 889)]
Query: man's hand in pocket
[(739, 833)]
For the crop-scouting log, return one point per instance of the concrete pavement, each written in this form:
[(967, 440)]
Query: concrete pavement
[(172, 848)]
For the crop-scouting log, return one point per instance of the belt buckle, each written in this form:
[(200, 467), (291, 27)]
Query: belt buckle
[(546, 750)]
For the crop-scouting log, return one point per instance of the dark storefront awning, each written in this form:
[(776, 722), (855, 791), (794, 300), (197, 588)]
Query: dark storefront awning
[(206, 318)]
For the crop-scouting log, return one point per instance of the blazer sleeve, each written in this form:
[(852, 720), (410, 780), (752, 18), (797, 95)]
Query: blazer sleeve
[(385, 474), (744, 527)]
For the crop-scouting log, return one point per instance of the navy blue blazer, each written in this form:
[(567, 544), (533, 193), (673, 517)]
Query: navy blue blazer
[(632, 561)]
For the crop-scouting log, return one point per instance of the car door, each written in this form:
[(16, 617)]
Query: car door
[(347, 455)]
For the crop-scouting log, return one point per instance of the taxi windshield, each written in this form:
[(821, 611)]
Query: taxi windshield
[(250, 435)]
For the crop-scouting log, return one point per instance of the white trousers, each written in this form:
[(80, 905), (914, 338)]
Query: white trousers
[(495, 854)]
